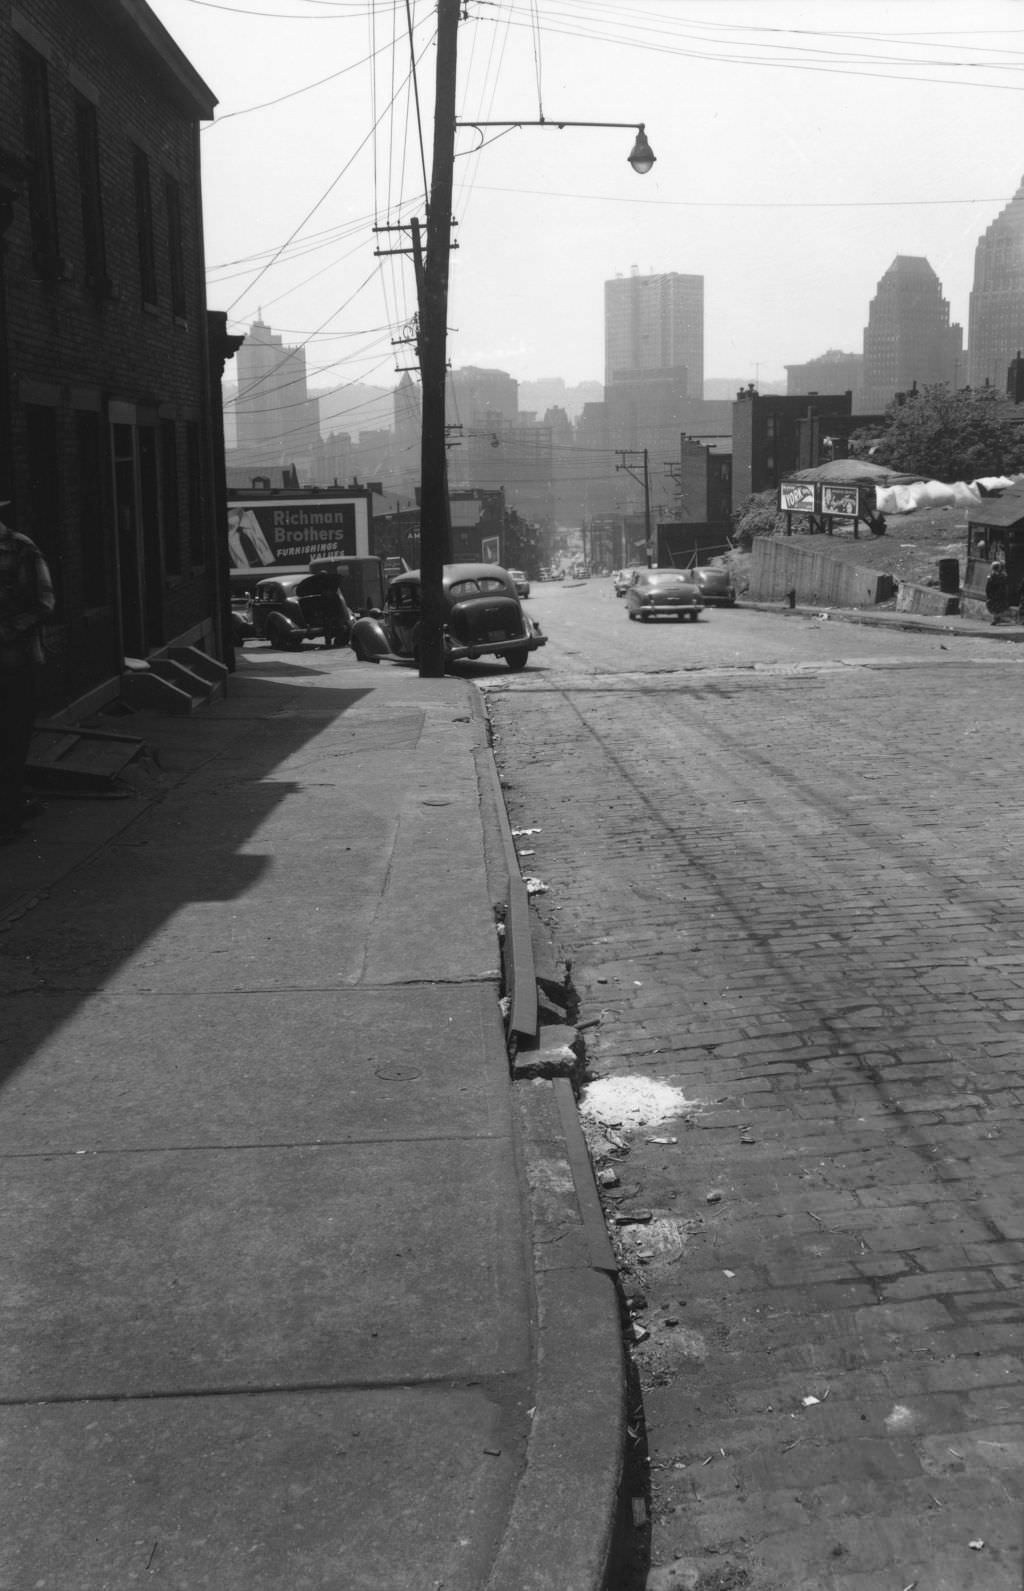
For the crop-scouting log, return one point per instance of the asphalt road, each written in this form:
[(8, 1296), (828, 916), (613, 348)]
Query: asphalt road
[(784, 856)]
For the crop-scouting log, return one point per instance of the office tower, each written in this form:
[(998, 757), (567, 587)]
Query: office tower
[(276, 419), (996, 322), (653, 359), (908, 337), (654, 324)]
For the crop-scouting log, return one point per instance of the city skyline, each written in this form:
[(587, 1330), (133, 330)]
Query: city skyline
[(799, 149)]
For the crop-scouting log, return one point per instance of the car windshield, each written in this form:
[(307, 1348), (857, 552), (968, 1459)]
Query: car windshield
[(663, 577)]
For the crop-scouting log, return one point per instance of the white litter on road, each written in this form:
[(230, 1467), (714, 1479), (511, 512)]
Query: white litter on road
[(633, 1101)]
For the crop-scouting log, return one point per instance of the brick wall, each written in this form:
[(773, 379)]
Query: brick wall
[(109, 456)]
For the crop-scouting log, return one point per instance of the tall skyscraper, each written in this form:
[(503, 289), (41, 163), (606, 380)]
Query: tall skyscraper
[(908, 337), (653, 358), (995, 328), (275, 416), (654, 323)]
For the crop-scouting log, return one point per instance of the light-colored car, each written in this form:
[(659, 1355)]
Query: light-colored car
[(521, 583), (662, 594)]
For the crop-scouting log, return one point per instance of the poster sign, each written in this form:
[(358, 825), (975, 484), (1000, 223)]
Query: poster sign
[(490, 549), (296, 530), (842, 502), (797, 497)]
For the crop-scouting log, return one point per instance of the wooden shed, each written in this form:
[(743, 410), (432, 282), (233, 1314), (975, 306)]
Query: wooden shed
[(995, 529)]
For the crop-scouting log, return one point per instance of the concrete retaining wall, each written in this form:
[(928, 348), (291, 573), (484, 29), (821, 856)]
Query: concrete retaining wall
[(925, 599), (779, 565)]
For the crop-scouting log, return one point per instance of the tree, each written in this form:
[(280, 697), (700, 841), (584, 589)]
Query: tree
[(757, 515), (948, 436)]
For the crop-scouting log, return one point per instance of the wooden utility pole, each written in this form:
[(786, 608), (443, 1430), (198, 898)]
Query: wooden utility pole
[(435, 533)]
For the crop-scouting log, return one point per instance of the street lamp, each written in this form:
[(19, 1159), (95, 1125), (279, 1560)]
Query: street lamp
[(434, 506), (641, 157)]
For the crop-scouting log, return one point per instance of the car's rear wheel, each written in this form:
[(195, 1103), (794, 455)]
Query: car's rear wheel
[(279, 632), (518, 659)]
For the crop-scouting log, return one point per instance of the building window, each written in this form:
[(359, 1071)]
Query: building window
[(170, 514), (194, 484), (88, 139), (144, 226), (42, 187), (92, 525), (175, 248)]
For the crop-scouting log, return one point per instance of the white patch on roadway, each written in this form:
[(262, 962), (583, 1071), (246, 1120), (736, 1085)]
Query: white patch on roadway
[(633, 1101)]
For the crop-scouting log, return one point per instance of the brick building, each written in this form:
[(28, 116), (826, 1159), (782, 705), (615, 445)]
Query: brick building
[(774, 435), (111, 438)]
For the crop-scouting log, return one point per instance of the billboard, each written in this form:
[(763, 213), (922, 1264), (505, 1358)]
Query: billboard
[(842, 502), (297, 530), (797, 497), (836, 500)]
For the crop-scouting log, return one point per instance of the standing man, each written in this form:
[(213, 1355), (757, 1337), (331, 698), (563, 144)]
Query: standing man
[(997, 592), (26, 602)]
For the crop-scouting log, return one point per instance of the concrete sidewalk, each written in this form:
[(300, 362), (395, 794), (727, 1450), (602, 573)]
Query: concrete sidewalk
[(296, 1289)]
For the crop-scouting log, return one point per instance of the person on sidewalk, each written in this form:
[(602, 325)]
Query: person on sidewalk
[(997, 592), (26, 602), (336, 617)]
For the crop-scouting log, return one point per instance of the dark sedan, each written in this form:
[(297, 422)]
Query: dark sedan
[(662, 594), (287, 610), (484, 617), (715, 584)]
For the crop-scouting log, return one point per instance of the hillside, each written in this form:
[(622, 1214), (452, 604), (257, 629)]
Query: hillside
[(910, 549)]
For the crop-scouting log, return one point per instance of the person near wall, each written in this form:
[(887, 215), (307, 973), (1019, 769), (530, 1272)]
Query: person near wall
[(26, 603), (997, 592)]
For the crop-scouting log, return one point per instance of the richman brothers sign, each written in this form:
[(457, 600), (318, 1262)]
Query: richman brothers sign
[(296, 531)]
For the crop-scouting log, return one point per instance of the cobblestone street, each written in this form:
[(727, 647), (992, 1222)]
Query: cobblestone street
[(790, 886)]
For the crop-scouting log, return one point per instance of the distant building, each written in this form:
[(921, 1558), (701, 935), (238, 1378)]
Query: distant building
[(831, 372), (276, 420), (654, 324), (705, 483), (653, 358), (908, 337), (773, 436), (996, 318), (474, 395)]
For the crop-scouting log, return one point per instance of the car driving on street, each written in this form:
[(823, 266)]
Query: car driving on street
[(484, 617), (714, 582), (662, 594)]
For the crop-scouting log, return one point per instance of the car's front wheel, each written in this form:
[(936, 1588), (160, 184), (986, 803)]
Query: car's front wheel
[(518, 659)]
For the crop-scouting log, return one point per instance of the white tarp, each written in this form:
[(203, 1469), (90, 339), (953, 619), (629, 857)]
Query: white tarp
[(935, 494)]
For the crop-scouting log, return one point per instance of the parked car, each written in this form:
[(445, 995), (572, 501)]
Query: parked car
[(714, 582), (285, 610), (484, 617), (520, 581), (621, 579), (662, 594)]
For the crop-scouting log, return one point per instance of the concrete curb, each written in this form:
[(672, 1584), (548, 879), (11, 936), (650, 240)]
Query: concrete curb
[(561, 1530), (937, 624)]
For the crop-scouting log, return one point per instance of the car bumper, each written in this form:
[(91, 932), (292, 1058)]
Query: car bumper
[(667, 610), (457, 653)]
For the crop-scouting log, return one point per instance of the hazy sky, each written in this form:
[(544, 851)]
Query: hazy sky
[(800, 147)]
